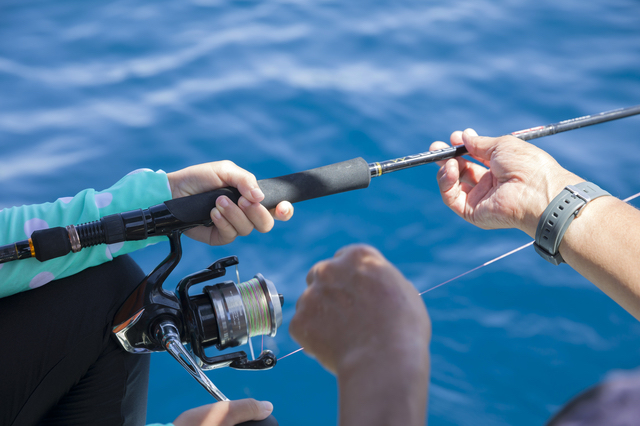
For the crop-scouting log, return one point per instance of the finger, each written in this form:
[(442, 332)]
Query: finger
[(283, 211), (343, 251), (451, 189), (480, 147), (448, 176), (470, 172), (436, 146), (234, 215), (311, 275), (316, 271), (223, 233), (239, 178), (244, 410), (456, 138), (257, 214), (354, 252), (296, 325)]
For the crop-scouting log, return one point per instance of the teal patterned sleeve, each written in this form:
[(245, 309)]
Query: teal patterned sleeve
[(139, 189)]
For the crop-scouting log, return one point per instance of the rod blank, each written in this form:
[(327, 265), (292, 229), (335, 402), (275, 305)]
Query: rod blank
[(378, 169)]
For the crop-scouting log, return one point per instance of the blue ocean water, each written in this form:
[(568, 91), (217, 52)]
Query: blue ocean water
[(94, 89)]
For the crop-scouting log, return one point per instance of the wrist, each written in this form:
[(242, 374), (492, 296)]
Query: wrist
[(559, 216), (389, 387), (549, 188)]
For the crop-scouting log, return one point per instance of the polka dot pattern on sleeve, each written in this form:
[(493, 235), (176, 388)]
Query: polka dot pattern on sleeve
[(140, 189), (103, 200), (41, 279), (34, 224)]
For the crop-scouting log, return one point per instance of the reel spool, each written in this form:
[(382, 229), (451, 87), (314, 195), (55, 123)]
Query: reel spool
[(224, 315), (252, 308)]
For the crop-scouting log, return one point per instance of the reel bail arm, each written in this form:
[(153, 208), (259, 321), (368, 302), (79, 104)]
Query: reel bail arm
[(168, 334), (224, 314)]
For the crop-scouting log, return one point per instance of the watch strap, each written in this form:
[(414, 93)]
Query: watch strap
[(558, 216)]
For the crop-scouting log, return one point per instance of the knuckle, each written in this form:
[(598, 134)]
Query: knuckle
[(226, 239), (265, 228), (323, 271), (222, 408), (244, 231), (361, 253), (253, 407), (294, 326), (227, 164)]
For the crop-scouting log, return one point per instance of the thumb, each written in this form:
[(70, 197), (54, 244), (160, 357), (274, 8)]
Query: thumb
[(480, 147), (244, 410)]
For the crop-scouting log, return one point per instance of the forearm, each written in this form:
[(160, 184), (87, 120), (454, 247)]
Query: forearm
[(136, 190), (385, 391), (603, 245)]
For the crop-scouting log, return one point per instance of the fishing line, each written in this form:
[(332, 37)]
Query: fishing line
[(260, 302), (296, 351), (626, 200), (478, 267), (244, 309)]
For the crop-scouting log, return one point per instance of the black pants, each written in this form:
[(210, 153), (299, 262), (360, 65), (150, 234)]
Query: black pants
[(59, 364)]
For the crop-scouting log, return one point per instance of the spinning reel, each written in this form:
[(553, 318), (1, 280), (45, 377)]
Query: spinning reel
[(224, 315)]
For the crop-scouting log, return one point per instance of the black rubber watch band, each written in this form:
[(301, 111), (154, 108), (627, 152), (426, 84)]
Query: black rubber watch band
[(558, 216)]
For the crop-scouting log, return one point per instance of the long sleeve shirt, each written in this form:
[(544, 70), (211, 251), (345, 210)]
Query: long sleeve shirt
[(139, 189)]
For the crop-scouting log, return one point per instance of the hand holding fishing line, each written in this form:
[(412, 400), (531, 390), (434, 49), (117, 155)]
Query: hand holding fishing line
[(365, 322), (523, 188)]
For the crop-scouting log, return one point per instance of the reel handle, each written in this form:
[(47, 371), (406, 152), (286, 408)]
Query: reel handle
[(168, 333)]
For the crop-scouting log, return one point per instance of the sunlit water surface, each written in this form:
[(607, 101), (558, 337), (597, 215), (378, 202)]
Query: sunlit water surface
[(94, 89)]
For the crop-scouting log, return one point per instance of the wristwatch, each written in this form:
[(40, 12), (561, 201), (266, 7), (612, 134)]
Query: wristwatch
[(558, 216)]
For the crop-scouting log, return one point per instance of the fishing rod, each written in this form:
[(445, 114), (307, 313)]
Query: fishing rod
[(378, 169), (225, 314), (184, 213)]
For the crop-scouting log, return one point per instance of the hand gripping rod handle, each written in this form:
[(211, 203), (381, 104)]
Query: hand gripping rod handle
[(186, 212), (306, 185)]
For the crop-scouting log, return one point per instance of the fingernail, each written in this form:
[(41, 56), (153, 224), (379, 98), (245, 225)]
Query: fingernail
[(284, 210), (223, 201), (216, 213), (257, 194), (470, 132), (267, 407), (244, 203)]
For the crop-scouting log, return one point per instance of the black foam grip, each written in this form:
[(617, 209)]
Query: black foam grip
[(296, 187), (315, 183), (51, 243), (197, 208), (269, 421)]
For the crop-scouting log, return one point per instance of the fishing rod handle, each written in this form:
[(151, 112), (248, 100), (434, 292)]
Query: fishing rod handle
[(306, 185), (187, 212)]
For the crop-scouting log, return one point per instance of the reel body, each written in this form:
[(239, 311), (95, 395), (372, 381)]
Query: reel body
[(224, 315)]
